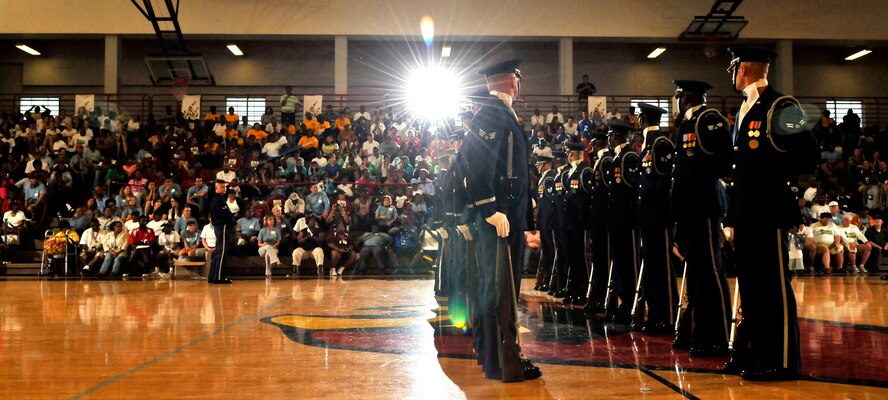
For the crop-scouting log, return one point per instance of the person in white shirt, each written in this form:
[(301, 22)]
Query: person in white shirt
[(550, 116), (570, 127), (272, 147), (115, 245), (169, 242), (368, 146), (828, 241), (208, 238), (853, 240), (536, 120), (14, 219), (614, 115)]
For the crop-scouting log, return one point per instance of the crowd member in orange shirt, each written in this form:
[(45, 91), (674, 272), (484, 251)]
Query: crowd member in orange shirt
[(213, 115), (258, 132), (342, 123), (308, 145), (231, 117)]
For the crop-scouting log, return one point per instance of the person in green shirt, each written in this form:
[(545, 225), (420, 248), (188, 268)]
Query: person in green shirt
[(289, 102)]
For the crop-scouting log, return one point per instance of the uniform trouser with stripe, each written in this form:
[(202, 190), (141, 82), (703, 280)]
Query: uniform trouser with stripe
[(600, 258), (709, 296), (624, 250), (547, 253), (770, 319), (488, 289), (578, 279), (658, 282), (224, 243), (456, 270)]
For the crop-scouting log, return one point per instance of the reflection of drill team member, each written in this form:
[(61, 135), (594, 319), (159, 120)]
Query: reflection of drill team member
[(223, 225), (703, 154), (655, 225), (576, 206), (557, 287), (622, 218), (496, 152), (772, 143)]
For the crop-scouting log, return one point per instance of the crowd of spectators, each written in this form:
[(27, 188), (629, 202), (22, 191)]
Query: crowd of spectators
[(337, 188)]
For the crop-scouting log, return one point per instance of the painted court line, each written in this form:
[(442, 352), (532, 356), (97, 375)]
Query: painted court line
[(173, 352)]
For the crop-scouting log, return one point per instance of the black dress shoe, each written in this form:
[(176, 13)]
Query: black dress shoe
[(528, 370), (884, 277), (769, 374), (593, 308), (567, 299), (544, 288), (734, 367), (560, 294), (711, 350), (681, 343), (579, 301), (657, 328)]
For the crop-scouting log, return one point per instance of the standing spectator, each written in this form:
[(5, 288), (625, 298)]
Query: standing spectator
[(851, 122), (386, 214), (269, 239), (233, 118), (289, 102), (585, 89)]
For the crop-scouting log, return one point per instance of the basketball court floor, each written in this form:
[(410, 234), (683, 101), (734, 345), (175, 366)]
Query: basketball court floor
[(387, 339)]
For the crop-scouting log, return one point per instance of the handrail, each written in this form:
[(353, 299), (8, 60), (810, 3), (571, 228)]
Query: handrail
[(143, 104)]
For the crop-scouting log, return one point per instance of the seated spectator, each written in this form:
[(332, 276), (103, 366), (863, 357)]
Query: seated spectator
[(269, 239), (272, 148), (169, 245), (257, 132), (317, 203), (91, 247), (308, 244), (828, 241), (362, 217), (386, 214), (34, 195), (342, 251), (329, 147), (248, 229), (14, 221), (375, 244), (208, 243), (114, 244), (308, 145), (157, 222), (197, 195), (231, 117), (142, 240), (406, 242), (192, 246), (853, 239), (294, 207)]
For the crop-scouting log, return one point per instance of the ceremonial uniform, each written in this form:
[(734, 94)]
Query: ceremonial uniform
[(495, 140), (558, 280), (223, 226), (599, 235), (771, 144), (576, 219), (655, 226), (545, 213), (703, 153), (622, 222)]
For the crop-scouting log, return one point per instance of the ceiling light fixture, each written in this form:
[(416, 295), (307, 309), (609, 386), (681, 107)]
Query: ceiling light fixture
[(27, 49), (445, 52), (235, 50), (656, 53), (858, 55)]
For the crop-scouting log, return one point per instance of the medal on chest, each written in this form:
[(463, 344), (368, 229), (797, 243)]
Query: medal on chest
[(618, 176), (689, 143), (754, 134), (574, 184)]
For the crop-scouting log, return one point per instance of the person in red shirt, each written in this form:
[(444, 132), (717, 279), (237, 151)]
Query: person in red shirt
[(142, 241)]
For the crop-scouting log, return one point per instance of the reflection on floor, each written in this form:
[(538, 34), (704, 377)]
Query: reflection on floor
[(372, 338)]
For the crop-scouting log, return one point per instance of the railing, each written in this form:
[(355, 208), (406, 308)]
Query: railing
[(874, 109)]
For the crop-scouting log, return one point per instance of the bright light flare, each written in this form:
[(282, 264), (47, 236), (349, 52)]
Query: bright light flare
[(427, 28), (235, 50), (858, 55), (433, 93)]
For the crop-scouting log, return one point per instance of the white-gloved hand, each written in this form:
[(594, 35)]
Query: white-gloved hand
[(464, 229), (442, 232), (500, 222)]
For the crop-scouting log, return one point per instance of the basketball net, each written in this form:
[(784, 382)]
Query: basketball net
[(180, 88)]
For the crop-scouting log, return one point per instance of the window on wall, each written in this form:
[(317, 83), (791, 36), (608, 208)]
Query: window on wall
[(664, 104), (26, 103), (839, 108), (250, 107)]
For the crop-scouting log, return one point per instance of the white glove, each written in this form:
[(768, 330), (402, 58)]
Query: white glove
[(465, 231), (442, 232), (500, 222)]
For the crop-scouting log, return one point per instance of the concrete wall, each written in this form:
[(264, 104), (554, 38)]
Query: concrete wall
[(374, 66)]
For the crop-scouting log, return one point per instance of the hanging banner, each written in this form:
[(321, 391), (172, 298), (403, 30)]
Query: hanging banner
[(191, 107), (87, 101), (313, 104), (597, 103)]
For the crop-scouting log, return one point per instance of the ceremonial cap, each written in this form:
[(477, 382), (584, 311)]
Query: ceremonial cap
[(574, 146), (692, 86), (650, 112), (501, 67), (751, 54), (619, 127)]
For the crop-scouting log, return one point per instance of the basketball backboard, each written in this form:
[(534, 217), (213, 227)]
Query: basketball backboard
[(168, 70)]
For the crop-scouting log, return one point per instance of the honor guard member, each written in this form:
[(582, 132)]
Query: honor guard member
[(598, 224), (576, 206), (772, 143), (496, 154), (223, 226), (655, 225), (622, 219), (545, 209), (703, 154), (557, 286)]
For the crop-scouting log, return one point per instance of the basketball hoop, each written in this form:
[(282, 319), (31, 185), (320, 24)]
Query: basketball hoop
[(180, 88)]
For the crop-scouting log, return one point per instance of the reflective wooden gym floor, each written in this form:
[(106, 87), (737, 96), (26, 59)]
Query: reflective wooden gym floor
[(380, 339)]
